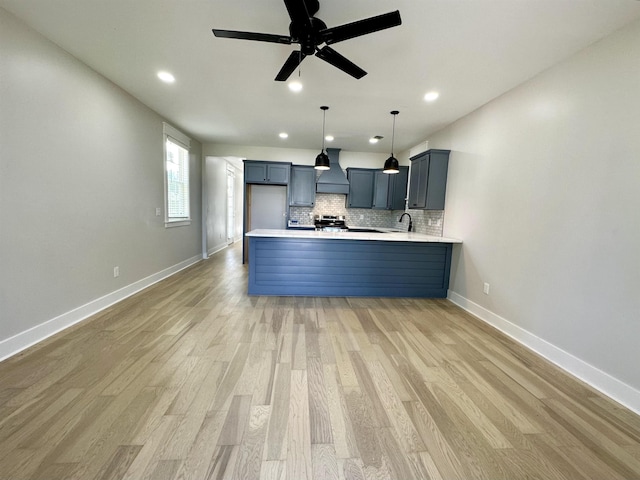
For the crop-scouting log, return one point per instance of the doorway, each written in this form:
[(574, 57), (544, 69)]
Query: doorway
[(222, 198), (231, 208)]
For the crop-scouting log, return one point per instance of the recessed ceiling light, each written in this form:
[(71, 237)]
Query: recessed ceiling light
[(375, 139), (431, 96), (166, 77), (329, 138), (295, 86), (284, 135)]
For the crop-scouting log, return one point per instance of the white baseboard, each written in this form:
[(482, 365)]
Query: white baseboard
[(27, 338), (217, 248), (601, 381)]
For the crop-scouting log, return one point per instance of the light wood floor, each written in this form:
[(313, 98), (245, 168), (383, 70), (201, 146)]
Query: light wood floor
[(193, 379)]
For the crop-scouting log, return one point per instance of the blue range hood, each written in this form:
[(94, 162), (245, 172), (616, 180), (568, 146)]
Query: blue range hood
[(333, 180)]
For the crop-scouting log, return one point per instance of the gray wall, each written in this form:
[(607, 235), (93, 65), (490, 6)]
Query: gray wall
[(81, 174), (300, 156), (544, 189)]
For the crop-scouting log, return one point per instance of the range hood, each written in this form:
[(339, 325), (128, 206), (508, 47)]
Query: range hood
[(333, 180)]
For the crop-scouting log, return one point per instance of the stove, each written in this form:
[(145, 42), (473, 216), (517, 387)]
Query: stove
[(330, 223)]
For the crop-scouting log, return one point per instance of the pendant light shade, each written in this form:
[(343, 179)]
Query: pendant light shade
[(322, 160), (391, 165)]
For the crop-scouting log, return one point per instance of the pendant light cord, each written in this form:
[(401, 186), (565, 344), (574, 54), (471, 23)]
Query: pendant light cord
[(324, 116), (393, 134)]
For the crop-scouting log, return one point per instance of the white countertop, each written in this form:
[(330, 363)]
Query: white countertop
[(386, 234)]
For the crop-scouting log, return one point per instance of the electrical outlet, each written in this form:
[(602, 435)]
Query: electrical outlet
[(158, 211), (361, 217), (116, 272), (485, 289), (429, 222)]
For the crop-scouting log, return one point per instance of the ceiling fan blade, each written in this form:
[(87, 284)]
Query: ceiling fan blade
[(312, 7), (298, 12), (329, 55), (360, 27), (290, 65), (259, 37)]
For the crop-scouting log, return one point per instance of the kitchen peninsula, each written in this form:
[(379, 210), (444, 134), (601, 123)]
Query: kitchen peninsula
[(386, 263)]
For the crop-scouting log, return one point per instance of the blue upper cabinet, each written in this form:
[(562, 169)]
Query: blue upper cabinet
[(390, 191), (381, 183), (360, 187), (302, 187), (428, 180), (398, 189), (274, 173)]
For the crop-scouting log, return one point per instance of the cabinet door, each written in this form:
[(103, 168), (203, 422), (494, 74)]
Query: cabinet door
[(418, 181), (302, 188), (437, 180), (381, 184), (360, 188), (278, 173), (398, 189), (428, 180), (255, 172)]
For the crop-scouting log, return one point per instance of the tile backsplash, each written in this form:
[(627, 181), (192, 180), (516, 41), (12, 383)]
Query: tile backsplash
[(428, 222)]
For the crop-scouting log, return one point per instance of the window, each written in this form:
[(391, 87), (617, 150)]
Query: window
[(176, 191)]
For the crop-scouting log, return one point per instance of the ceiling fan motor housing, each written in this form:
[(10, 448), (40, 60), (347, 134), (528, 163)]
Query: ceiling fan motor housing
[(308, 38)]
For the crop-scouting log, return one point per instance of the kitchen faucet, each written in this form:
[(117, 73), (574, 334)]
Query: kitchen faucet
[(410, 222)]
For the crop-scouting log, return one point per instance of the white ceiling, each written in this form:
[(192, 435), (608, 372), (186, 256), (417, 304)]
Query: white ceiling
[(470, 51)]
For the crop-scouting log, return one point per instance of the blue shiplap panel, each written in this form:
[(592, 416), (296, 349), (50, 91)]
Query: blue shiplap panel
[(317, 267)]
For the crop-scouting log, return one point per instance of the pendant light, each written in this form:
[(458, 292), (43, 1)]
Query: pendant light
[(322, 160), (391, 165)]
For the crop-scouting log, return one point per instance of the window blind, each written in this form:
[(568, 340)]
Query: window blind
[(176, 176), (177, 181)]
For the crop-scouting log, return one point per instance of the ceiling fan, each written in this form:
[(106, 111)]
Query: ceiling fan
[(311, 32)]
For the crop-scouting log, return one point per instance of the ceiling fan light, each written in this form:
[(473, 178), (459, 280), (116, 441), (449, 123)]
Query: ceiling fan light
[(391, 165), (322, 162), (295, 86)]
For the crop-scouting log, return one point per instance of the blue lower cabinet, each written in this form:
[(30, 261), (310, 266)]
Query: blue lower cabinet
[(348, 268)]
